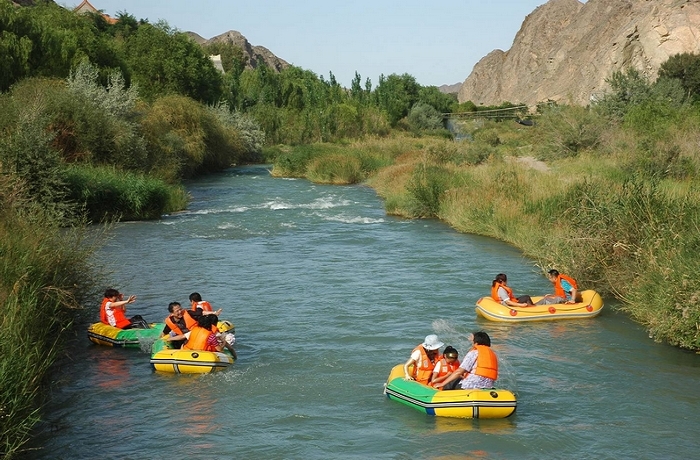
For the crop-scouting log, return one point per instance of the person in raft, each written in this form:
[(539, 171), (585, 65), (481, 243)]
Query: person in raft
[(501, 293), (113, 311), (480, 366), (423, 359), (175, 323), (448, 363), (565, 290), (201, 337), (197, 302), (181, 321)]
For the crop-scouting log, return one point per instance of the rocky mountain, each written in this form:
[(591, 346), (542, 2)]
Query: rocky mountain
[(256, 54), (450, 89), (565, 49)]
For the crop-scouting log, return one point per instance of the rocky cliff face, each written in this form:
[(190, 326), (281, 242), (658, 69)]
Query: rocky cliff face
[(257, 55), (565, 50)]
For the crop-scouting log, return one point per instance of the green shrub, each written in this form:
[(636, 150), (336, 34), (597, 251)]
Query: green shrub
[(426, 188), (335, 169), (108, 194)]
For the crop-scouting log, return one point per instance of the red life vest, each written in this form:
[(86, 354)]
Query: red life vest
[(113, 316), (486, 362), (558, 290), (423, 373), (198, 340), (494, 292)]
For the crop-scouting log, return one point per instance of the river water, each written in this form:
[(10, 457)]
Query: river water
[(327, 294)]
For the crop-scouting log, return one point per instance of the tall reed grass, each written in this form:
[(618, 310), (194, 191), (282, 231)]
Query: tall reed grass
[(45, 276), (106, 193)]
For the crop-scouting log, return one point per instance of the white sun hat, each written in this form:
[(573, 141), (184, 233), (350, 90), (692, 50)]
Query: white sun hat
[(432, 342)]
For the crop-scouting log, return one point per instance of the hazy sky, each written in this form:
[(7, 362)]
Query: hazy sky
[(438, 42)]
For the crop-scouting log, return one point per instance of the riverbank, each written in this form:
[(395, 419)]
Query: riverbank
[(599, 215)]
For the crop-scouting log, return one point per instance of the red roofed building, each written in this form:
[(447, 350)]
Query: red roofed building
[(86, 7)]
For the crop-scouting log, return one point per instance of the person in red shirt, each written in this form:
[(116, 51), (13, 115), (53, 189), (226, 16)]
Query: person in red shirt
[(113, 311)]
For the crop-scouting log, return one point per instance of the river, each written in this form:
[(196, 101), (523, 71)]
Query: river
[(327, 293)]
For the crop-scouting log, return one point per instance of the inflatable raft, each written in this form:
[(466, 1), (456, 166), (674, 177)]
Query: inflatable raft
[(104, 334), (178, 361), (591, 306), (475, 403)]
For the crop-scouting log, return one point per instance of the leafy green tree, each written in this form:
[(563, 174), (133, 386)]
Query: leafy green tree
[(424, 116), (48, 40), (684, 67), (396, 94), (443, 103), (164, 61)]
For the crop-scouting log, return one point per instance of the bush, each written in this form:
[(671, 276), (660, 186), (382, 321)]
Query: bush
[(426, 188), (568, 130), (108, 194), (335, 169), (424, 117)]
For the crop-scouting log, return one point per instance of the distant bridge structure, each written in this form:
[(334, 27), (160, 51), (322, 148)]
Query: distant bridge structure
[(515, 113)]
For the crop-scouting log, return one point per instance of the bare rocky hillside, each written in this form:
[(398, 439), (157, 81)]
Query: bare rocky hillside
[(565, 49), (256, 54)]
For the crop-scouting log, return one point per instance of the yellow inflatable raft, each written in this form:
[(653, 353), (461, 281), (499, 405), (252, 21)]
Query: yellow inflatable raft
[(591, 306), (474, 403), (181, 361)]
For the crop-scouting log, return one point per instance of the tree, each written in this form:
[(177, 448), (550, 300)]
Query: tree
[(167, 62), (396, 95), (684, 67)]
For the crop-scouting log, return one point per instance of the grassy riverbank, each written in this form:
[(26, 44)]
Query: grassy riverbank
[(619, 213), (44, 279)]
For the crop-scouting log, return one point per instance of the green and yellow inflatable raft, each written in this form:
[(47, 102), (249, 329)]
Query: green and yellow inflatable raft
[(104, 334), (476, 403)]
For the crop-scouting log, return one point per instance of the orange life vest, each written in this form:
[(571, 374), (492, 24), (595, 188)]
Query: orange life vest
[(486, 362), (494, 292), (198, 340), (191, 323), (558, 290), (423, 373), (445, 367), (175, 327), (204, 305), (117, 318)]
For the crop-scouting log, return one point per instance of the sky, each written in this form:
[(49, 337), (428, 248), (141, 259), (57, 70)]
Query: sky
[(436, 42)]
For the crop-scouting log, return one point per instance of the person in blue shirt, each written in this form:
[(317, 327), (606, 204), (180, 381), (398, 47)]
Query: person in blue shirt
[(565, 290)]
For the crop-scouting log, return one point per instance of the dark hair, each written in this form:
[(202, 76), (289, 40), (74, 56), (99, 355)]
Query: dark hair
[(195, 297), (111, 293), (450, 350), (553, 272), (482, 338), (171, 306), (500, 278), (207, 321)]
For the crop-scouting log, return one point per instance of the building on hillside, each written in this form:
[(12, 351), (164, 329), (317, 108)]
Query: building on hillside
[(216, 60), (86, 7)]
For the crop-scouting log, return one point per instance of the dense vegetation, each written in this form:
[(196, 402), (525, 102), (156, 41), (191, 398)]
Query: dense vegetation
[(103, 121), (616, 202)]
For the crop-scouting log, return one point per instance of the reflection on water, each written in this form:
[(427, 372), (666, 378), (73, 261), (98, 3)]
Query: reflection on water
[(328, 294)]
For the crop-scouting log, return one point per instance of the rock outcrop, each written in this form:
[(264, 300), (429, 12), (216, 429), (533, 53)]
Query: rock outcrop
[(257, 55), (565, 50)]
